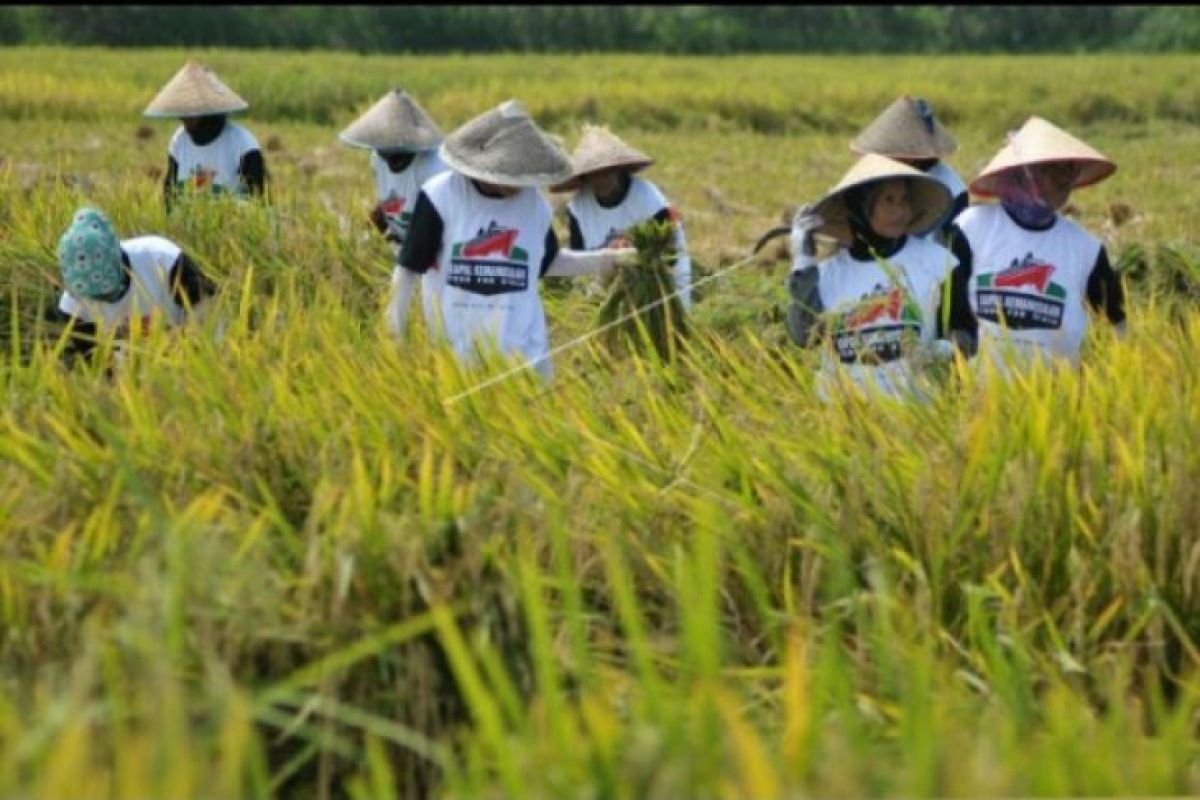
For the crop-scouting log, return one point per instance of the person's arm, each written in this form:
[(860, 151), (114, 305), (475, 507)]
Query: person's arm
[(417, 256), (81, 335), (806, 306), (682, 270), (423, 243), (567, 263), (960, 205), (189, 285), (1105, 292), (957, 323), (170, 182), (575, 241), (253, 171)]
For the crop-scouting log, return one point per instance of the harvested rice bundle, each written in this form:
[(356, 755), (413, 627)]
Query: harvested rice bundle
[(646, 284)]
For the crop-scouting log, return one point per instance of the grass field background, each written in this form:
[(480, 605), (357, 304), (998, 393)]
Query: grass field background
[(267, 558)]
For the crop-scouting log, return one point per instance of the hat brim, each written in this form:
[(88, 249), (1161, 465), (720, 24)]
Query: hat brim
[(930, 199), (191, 113), (521, 181), (1091, 171), (577, 180), (352, 142)]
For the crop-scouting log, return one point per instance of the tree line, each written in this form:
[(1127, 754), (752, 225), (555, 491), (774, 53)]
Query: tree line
[(699, 30)]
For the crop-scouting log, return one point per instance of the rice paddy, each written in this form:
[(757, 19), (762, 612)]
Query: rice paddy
[(279, 554)]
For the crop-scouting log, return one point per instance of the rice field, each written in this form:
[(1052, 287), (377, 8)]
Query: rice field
[(278, 554)]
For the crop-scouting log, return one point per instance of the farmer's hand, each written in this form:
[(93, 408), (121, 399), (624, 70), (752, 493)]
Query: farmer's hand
[(378, 219), (804, 246), (623, 258)]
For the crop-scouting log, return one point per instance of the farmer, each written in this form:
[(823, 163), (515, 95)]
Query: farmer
[(114, 283), (609, 199), (488, 229), (208, 153), (908, 132), (877, 297), (1026, 275), (403, 141)]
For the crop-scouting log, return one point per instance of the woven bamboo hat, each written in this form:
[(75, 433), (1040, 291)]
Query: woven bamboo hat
[(930, 198), (1041, 142), (505, 146), (195, 91), (906, 129), (601, 149), (396, 123)]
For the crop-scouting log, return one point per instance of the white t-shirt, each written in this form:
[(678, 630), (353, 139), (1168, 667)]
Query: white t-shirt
[(490, 260), (948, 178), (214, 166), (1028, 288), (397, 192), (876, 318), (600, 225), (150, 260)]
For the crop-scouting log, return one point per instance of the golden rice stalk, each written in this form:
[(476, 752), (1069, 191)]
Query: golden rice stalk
[(648, 285)]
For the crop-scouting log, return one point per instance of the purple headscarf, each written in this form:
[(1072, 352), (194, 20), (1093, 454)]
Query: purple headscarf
[(1018, 193)]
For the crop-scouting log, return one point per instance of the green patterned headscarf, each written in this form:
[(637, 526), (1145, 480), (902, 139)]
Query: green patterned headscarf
[(89, 256)]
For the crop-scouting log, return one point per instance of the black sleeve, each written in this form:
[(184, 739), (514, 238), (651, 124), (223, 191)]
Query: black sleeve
[(170, 182), (576, 238), (188, 284), (253, 170), (424, 239), (1105, 293), (960, 205), (551, 251), (81, 336), (960, 314), (803, 315)]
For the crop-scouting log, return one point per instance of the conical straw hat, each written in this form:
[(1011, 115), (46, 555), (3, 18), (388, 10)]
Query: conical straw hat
[(1041, 142), (930, 198), (395, 123), (195, 91), (906, 129), (505, 146), (600, 149)]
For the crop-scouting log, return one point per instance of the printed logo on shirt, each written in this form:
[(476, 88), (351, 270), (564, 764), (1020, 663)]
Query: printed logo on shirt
[(874, 330), (1022, 297), (397, 218), (202, 180), (490, 263)]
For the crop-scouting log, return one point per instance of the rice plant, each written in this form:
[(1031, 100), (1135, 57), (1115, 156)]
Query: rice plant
[(266, 557)]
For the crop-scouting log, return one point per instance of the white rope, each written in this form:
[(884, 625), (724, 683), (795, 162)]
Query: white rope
[(580, 339)]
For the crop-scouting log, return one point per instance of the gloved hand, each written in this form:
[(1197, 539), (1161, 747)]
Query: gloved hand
[(805, 224)]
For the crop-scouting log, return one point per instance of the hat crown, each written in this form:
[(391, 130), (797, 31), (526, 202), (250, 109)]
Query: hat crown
[(194, 91), (601, 149), (395, 122), (1040, 141), (505, 146), (908, 128)]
